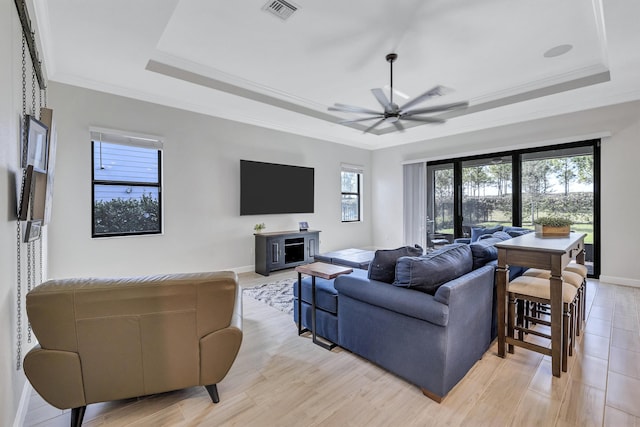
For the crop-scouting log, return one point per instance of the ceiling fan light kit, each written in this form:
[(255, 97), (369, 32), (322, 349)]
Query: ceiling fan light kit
[(392, 113)]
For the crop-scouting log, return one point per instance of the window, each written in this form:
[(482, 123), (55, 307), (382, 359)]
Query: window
[(126, 185), (351, 179)]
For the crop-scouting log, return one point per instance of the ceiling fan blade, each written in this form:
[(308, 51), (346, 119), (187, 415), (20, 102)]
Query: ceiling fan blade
[(352, 109), (435, 91), (423, 119), (342, 122), (373, 125), (382, 98), (398, 125), (436, 108)]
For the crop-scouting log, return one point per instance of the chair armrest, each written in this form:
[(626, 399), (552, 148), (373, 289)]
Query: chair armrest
[(466, 240), (56, 376), (218, 350)]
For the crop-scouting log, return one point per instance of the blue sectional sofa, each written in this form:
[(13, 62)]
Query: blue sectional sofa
[(429, 326), (429, 340)]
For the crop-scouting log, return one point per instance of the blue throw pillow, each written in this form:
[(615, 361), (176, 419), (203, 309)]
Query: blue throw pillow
[(427, 273), (516, 231), (476, 232), (484, 251), (501, 235), (485, 236), (383, 265)]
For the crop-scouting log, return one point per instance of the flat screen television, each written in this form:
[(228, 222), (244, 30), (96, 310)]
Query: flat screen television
[(270, 188)]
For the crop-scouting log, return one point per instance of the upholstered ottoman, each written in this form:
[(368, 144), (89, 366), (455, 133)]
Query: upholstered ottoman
[(354, 258), (326, 305)]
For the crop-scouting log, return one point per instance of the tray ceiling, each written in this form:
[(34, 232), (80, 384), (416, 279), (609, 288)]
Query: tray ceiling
[(234, 60)]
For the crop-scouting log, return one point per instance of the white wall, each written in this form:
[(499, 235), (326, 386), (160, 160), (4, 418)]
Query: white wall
[(12, 381), (620, 154), (202, 226), (203, 230), (621, 205)]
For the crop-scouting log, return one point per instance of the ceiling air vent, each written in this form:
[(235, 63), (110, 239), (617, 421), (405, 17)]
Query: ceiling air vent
[(280, 8)]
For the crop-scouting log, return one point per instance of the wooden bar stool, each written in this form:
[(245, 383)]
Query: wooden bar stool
[(580, 269), (537, 290), (572, 278), (577, 268)]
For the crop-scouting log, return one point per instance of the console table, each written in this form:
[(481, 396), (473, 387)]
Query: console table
[(284, 249), (548, 253), (316, 269)]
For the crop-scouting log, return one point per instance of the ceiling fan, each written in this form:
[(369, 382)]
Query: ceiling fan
[(393, 113)]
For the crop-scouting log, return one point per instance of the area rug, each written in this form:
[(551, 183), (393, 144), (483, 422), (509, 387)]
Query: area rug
[(278, 294)]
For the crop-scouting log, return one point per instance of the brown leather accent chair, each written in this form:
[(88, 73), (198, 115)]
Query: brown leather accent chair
[(110, 339)]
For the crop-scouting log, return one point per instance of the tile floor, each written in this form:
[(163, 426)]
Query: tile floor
[(601, 388)]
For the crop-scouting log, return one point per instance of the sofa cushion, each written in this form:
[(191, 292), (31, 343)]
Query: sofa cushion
[(484, 251), (428, 272), (383, 265), (476, 232)]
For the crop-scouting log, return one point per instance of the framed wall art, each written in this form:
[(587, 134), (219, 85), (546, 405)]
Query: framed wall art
[(37, 144), (46, 116), (32, 231), (31, 204), (25, 195)]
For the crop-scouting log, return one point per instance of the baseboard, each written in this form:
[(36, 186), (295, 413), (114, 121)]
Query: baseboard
[(21, 414), (620, 281), (245, 269)]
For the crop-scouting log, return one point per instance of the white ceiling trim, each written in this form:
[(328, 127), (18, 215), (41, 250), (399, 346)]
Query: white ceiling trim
[(217, 75), (581, 77), (371, 143), (208, 109)]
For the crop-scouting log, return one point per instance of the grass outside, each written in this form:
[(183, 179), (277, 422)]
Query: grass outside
[(584, 228)]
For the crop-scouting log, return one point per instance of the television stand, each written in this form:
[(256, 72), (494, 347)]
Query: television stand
[(285, 249)]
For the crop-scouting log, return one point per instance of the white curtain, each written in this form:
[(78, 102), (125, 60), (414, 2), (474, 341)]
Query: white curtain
[(415, 204)]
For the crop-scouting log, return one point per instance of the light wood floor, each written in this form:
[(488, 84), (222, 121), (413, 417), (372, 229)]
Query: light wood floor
[(280, 379)]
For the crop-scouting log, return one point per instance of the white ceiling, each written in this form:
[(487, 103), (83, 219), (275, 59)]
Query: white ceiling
[(233, 60)]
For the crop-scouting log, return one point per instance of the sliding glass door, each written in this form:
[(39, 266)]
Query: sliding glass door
[(515, 188)]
